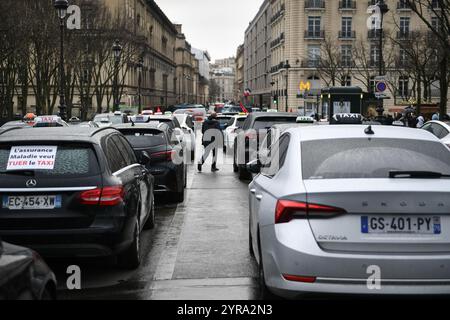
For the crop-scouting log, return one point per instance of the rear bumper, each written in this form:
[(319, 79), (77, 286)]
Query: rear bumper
[(95, 241), (294, 251)]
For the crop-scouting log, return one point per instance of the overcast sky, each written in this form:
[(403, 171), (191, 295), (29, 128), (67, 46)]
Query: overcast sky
[(214, 25)]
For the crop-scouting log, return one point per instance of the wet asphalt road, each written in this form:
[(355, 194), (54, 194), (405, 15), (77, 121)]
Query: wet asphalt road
[(198, 250)]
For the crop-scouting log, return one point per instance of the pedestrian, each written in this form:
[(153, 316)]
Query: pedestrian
[(435, 117), (210, 130), (420, 121)]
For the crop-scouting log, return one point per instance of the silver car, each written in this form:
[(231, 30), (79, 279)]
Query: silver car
[(352, 209)]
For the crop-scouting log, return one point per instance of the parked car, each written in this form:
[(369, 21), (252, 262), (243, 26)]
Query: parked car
[(24, 275), (173, 124), (354, 197), (235, 124), (166, 156), (68, 192), (253, 132), (187, 125), (110, 119), (439, 129)]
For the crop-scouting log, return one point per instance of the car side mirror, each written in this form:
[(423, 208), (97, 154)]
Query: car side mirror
[(254, 166), (145, 158)]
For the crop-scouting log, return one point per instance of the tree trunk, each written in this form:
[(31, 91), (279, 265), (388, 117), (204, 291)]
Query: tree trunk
[(443, 87)]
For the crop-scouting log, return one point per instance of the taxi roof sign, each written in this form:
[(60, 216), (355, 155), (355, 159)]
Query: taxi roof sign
[(347, 118)]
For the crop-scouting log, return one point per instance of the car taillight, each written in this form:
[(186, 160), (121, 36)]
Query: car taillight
[(107, 196), (167, 155), (304, 279), (288, 210)]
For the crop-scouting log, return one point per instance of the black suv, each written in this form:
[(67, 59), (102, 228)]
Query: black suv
[(67, 192), (253, 133), (167, 158)]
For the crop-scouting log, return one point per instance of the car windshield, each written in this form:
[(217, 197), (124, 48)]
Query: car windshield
[(144, 138), (371, 158), (268, 122), (70, 161)]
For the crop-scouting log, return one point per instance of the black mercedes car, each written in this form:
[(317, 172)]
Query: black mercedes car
[(24, 275), (166, 156), (67, 192)]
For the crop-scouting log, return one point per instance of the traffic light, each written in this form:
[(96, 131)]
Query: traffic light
[(275, 100)]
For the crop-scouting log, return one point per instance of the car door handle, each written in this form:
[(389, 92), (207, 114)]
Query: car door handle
[(253, 191), (259, 197)]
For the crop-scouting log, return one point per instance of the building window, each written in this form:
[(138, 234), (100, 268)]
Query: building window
[(314, 26), (346, 81), (346, 28), (403, 87), (374, 55), (404, 27), (313, 56), (346, 55)]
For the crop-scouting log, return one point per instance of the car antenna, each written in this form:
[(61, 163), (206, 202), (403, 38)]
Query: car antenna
[(369, 130)]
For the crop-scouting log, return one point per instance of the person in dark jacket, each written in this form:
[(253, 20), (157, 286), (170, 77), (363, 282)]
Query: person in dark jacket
[(212, 136)]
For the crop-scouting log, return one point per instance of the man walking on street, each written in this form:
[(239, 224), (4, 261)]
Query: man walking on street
[(211, 131)]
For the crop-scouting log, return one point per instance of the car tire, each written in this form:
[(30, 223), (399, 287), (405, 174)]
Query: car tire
[(130, 259), (264, 292), (224, 149), (243, 174), (192, 156), (150, 223), (178, 197), (250, 244), (235, 167)]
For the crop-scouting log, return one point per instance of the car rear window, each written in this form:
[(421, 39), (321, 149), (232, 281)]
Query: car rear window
[(144, 138), (268, 122), (70, 161), (371, 158)]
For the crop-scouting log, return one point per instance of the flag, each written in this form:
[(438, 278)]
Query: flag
[(243, 108)]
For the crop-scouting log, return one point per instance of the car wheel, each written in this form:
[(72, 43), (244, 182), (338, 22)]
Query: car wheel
[(235, 167), (250, 244), (264, 292), (224, 149), (150, 224), (243, 174), (131, 258), (178, 197), (192, 156)]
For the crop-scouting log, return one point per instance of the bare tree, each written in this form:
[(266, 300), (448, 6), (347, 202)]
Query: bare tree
[(440, 9)]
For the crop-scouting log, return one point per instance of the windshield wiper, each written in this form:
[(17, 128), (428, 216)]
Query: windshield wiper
[(417, 175), (20, 172)]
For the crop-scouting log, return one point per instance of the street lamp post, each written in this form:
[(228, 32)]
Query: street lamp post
[(287, 66), (140, 67), (61, 6), (117, 50), (383, 7)]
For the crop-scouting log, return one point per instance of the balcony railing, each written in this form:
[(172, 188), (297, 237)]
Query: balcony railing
[(277, 67), (310, 63), (278, 14), (375, 34), (347, 5), (350, 35), (314, 34), (277, 41), (315, 4)]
